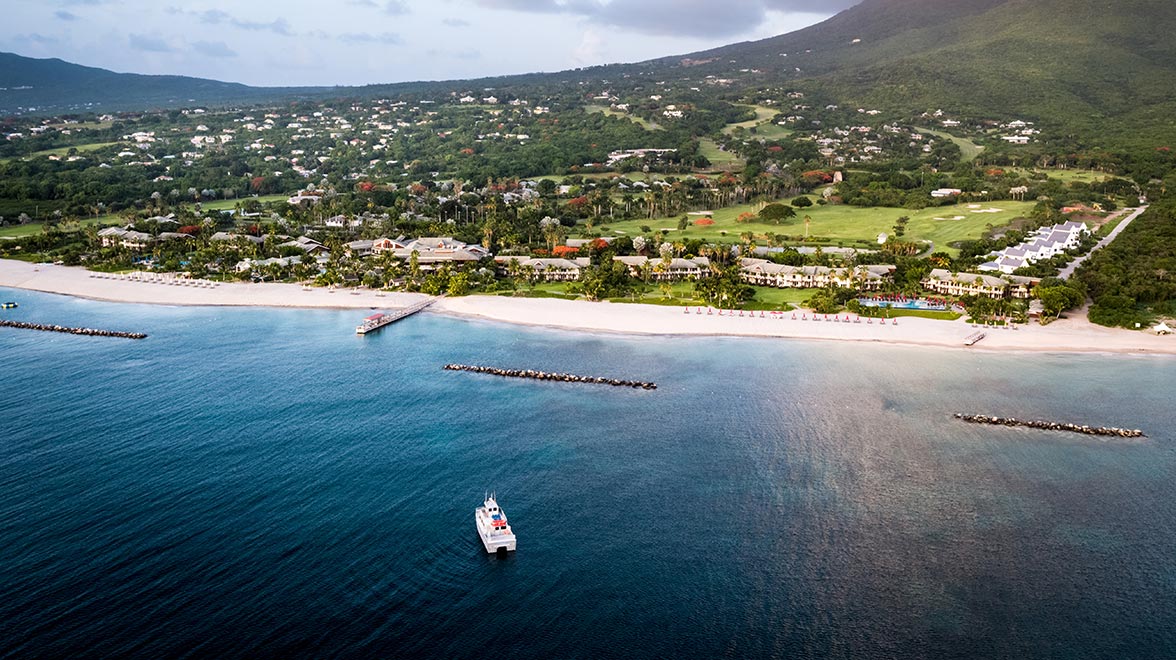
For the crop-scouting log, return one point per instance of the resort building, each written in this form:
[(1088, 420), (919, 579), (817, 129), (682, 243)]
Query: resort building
[(661, 270), (431, 251), (971, 284), (547, 270), (761, 272), (226, 237), (128, 238), (307, 245), (1045, 243)]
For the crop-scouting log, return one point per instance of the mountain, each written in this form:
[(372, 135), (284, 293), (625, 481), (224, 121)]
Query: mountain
[(1091, 67), (1101, 71), (55, 86)]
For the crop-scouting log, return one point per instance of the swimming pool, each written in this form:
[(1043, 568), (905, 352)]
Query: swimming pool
[(903, 304)]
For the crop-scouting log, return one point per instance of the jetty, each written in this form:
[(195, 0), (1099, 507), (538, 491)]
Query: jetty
[(89, 332), (971, 339), (1052, 426), (377, 321), (553, 376)]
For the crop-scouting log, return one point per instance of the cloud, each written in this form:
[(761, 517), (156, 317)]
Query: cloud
[(468, 54), (686, 18), (369, 38), (277, 26), (213, 49), (148, 43), (396, 7), (35, 38), (64, 15), (455, 22), (590, 50)]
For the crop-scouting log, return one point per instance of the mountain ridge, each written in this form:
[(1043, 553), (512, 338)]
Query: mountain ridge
[(1091, 68)]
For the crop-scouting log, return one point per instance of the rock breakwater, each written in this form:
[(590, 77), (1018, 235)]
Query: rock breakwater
[(89, 332), (553, 376), (1052, 426)]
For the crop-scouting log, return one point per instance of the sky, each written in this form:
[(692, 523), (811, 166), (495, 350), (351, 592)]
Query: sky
[(357, 42)]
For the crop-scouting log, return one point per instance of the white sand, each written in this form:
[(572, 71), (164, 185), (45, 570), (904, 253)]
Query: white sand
[(1068, 335), (116, 288)]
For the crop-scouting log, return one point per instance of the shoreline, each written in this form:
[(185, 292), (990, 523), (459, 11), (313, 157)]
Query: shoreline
[(1073, 335)]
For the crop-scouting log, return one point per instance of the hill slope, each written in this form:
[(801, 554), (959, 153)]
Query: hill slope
[(54, 86), (1092, 67)]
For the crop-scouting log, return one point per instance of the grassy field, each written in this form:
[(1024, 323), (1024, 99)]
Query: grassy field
[(719, 158), (228, 204), (1066, 176), (112, 219), (605, 110), (845, 223), (762, 115), (970, 150), (61, 151), (681, 294), (30, 229)]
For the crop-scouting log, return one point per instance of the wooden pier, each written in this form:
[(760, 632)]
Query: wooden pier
[(377, 321)]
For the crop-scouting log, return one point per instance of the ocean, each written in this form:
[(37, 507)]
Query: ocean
[(250, 483)]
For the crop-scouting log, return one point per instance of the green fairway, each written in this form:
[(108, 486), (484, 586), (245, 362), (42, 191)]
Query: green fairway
[(81, 149), (229, 204), (1065, 176), (35, 227), (111, 219), (969, 150), (846, 224), (762, 115), (717, 157), (605, 110)]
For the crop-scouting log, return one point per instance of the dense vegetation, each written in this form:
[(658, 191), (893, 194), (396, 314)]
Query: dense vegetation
[(1133, 280)]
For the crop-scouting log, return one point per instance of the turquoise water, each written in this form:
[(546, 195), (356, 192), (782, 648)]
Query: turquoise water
[(264, 483), (906, 304)]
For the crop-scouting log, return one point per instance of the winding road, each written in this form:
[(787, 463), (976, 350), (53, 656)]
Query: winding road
[(1066, 272)]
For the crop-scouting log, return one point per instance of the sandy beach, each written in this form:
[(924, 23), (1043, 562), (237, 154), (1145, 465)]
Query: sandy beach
[(1066, 335)]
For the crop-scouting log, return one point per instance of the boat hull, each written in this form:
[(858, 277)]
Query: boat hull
[(501, 540)]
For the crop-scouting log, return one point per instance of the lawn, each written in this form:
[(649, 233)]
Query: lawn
[(32, 228), (845, 224), (61, 151), (1066, 176), (111, 219), (717, 157), (229, 204), (607, 111), (762, 115), (968, 149), (681, 294)]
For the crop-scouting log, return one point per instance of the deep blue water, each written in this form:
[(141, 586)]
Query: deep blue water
[(264, 483)]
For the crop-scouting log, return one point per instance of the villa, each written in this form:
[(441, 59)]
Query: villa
[(1045, 243), (761, 272), (667, 271), (548, 270), (971, 284)]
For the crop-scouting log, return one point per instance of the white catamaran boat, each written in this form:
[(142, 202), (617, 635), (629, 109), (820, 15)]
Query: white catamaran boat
[(493, 527)]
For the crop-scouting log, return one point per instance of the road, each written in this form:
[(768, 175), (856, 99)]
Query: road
[(1069, 270)]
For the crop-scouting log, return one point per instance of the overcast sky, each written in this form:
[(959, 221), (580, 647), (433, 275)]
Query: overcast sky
[(355, 42)]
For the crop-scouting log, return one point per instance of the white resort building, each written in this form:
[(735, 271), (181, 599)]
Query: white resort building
[(971, 284), (1045, 243), (761, 272)]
